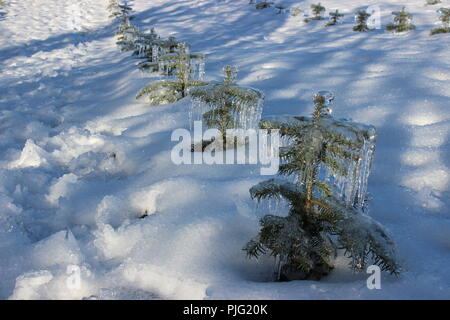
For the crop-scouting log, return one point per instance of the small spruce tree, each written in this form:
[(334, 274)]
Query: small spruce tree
[(263, 5), (306, 241), (126, 31), (179, 59), (433, 2), (444, 18), (334, 18), (127, 34), (361, 21), (113, 4), (402, 21), (120, 10), (226, 100), (317, 10), (170, 91), (295, 11)]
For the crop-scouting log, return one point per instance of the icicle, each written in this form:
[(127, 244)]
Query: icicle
[(201, 70), (248, 115), (277, 267), (197, 67), (155, 53), (161, 65), (366, 161), (269, 204)]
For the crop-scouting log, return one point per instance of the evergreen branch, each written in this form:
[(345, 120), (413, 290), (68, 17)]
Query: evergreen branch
[(324, 188), (361, 237), (291, 167), (338, 151), (334, 165), (254, 248), (161, 92), (274, 188), (293, 130)]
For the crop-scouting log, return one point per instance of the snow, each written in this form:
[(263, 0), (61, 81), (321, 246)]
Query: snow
[(82, 161)]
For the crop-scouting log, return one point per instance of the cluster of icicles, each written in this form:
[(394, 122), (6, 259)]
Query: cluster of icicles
[(350, 186)]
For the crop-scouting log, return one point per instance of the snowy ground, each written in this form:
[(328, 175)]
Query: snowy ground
[(81, 159)]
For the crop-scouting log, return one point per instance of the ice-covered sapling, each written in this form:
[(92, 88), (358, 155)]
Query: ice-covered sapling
[(113, 6), (181, 59), (320, 219), (127, 34), (444, 18), (229, 106), (169, 91), (295, 11), (317, 10), (334, 18), (402, 21), (126, 31), (263, 5), (433, 2), (361, 21), (120, 10)]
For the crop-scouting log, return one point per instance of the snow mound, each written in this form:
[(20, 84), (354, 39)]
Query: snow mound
[(59, 249), (32, 156)]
